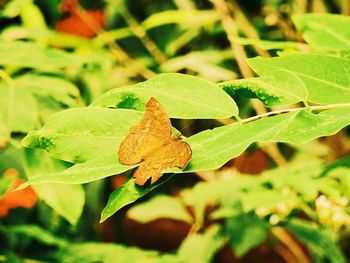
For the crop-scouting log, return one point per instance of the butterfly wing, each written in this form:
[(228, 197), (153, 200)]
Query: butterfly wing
[(151, 133), (174, 154)]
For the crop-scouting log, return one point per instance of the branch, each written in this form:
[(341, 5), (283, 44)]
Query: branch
[(312, 108), (140, 32)]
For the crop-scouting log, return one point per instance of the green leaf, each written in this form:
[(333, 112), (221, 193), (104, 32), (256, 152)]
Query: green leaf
[(11, 157), (341, 175), (67, 200), (212, 193), (13, 8), (213, 148), (342, 162), (5, 184), (263, 88), (78, 135), (104, 252), (30, 55), (318, 78), (57, 88), (295, 173), (37, 233), (160, 206), (178, 93), (260, 88), (245, 231), (201, 247), (81, 173), (264, 198), (126, 194), (317, 239), (14, 114), (324, 31)]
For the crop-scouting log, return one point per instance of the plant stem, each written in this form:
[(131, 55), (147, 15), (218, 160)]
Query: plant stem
[(232, 35), (312, 108), (246, 26), (221, 6), (293, 246), (140, 32)]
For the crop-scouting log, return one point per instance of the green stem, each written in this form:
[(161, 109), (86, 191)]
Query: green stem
[(311, 108)]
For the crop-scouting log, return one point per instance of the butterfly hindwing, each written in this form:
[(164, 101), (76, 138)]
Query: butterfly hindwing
[(174, 154), (150, 144), (152, 132)]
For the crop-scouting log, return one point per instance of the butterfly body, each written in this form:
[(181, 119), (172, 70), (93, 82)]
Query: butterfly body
[(151, 144)]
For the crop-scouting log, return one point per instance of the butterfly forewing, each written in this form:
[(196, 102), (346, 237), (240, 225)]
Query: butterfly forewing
[(152, 132), (150, 143), (174, 154)]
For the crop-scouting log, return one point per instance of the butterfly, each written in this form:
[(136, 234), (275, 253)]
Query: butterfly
[(151, 144)]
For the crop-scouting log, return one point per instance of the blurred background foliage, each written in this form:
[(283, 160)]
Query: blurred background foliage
[(72, 52)]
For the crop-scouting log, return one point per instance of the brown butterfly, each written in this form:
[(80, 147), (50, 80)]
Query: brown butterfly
[(151, 144)]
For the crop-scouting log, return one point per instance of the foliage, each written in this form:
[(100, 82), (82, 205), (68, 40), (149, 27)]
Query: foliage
[(67, 102)]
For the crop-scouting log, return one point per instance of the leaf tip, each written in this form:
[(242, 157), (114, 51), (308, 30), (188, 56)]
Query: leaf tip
[(21, 187)]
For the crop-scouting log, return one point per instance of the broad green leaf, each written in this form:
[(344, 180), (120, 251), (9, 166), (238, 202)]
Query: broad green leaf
[(18, 110), (245, 231), (295, 127), (318, 78), (158, 207), (5, 184), (109, 253), (263, 88), (178, 93), (324, 31), (126, 194), (13, 8), (81, 173), (32, 17), (48, 106), (59, 89), (30, 55), (213, 148), (37, 233), (11, 158), (78, 135), (67, 200), (201, 248), (318, 240)]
